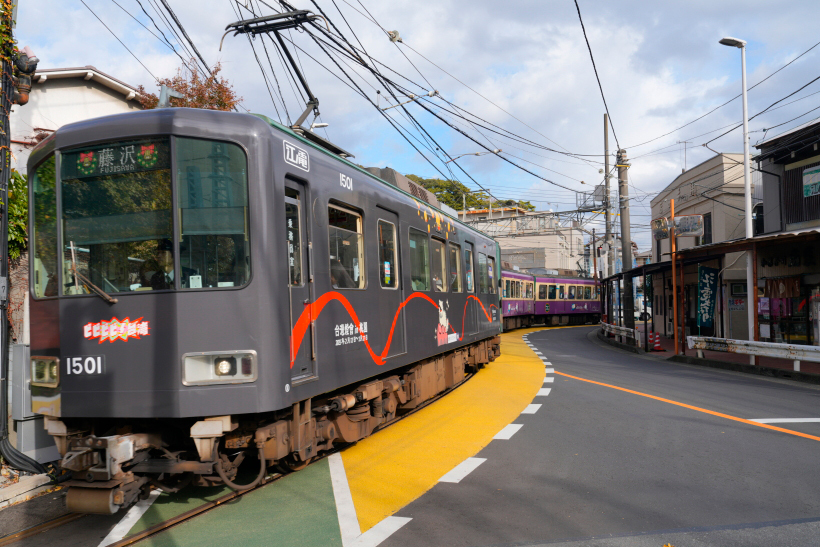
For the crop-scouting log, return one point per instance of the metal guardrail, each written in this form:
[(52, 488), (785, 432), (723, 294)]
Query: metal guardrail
[(621, 331), (795, 352)]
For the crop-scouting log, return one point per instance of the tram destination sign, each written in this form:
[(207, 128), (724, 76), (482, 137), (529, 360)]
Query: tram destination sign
[(115, 158)]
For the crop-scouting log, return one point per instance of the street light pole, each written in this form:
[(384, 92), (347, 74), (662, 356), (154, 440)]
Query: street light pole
[(751, 289)]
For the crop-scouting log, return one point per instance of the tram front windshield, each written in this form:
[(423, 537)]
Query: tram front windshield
[(118, 217)]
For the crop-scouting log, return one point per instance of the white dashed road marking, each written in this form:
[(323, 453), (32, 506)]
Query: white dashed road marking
[(547, 363), (462, 470), (549, 379), (543, 391), (550, 371), (508, 432), (531, 409)]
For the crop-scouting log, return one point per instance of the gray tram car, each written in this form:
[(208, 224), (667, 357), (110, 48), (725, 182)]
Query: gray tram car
[(207, 286)]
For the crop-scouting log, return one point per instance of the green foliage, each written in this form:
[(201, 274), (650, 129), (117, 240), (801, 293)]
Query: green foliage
[(18, 215), (453, 194)]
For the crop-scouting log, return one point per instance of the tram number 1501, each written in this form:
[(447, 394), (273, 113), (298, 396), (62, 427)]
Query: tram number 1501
[(93, 364)]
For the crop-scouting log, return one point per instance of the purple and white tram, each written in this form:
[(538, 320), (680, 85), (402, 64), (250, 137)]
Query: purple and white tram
[(553, 300)]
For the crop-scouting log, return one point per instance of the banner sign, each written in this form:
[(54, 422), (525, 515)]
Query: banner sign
[(811, 182), (707, 295), (660, 228), (689, 226)]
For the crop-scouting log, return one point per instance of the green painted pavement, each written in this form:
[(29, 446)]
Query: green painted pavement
[(298, 510)]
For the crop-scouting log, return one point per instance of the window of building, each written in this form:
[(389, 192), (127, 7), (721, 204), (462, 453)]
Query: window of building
[(439, 265), (707, 229), (388, 255), (346, 248), (455, 267), (757, 219), (468, 268), (553, 291), (419, 261)]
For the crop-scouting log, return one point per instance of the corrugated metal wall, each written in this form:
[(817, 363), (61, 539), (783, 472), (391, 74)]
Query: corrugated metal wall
[(796, 208)]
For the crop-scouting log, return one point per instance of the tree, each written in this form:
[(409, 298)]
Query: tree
[(18, 214), (453, 194), (211, 93)]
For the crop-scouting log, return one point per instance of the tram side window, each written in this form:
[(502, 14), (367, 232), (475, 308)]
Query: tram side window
[(571, 295), (529, 290), (482, 273), (388, 255), (346, 248), (561, 293), (439, 265), (419, 261), (587, 293), (506, 289), (491, 274), (552, 292), (44, 240), (455, 267), (212, 189), (294, 236), (542, 292), (468, 269)]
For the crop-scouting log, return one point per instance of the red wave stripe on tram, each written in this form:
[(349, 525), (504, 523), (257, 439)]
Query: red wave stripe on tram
[(313, 311)]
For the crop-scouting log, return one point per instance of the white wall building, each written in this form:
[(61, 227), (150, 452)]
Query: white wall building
[(60, 96)]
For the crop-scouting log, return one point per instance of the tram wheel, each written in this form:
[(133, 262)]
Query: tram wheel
[(289, 464)]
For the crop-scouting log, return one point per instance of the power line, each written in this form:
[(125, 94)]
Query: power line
[(612, 125), (729, 101), (185, 34), (120, 41)]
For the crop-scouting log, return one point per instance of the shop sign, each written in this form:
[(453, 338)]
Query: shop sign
[(707, 295), (811, 182), (737, 304)]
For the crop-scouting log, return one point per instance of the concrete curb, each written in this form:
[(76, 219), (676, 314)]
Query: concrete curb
[(620, 345), (24, 490), (748, 369)]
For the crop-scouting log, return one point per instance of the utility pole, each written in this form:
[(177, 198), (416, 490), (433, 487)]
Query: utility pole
[(594, 250), (610, 254), (626, 239)]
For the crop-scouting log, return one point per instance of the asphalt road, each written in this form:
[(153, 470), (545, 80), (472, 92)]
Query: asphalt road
[(599, 466)]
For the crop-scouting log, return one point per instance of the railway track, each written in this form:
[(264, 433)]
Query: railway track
[(206, 507)]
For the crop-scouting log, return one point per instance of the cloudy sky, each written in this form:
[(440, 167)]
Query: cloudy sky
[(521, 66)]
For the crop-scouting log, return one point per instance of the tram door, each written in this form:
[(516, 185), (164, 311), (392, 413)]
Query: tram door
[(471, 284), (299, 279), (391, 293)]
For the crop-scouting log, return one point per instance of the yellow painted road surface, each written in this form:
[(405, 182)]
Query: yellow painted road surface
[(392, 468)]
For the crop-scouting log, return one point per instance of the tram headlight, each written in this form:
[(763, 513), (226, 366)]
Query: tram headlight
[(233, 367), (45, 371)]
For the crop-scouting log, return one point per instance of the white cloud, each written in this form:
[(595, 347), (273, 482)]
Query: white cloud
[(659, 63)]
